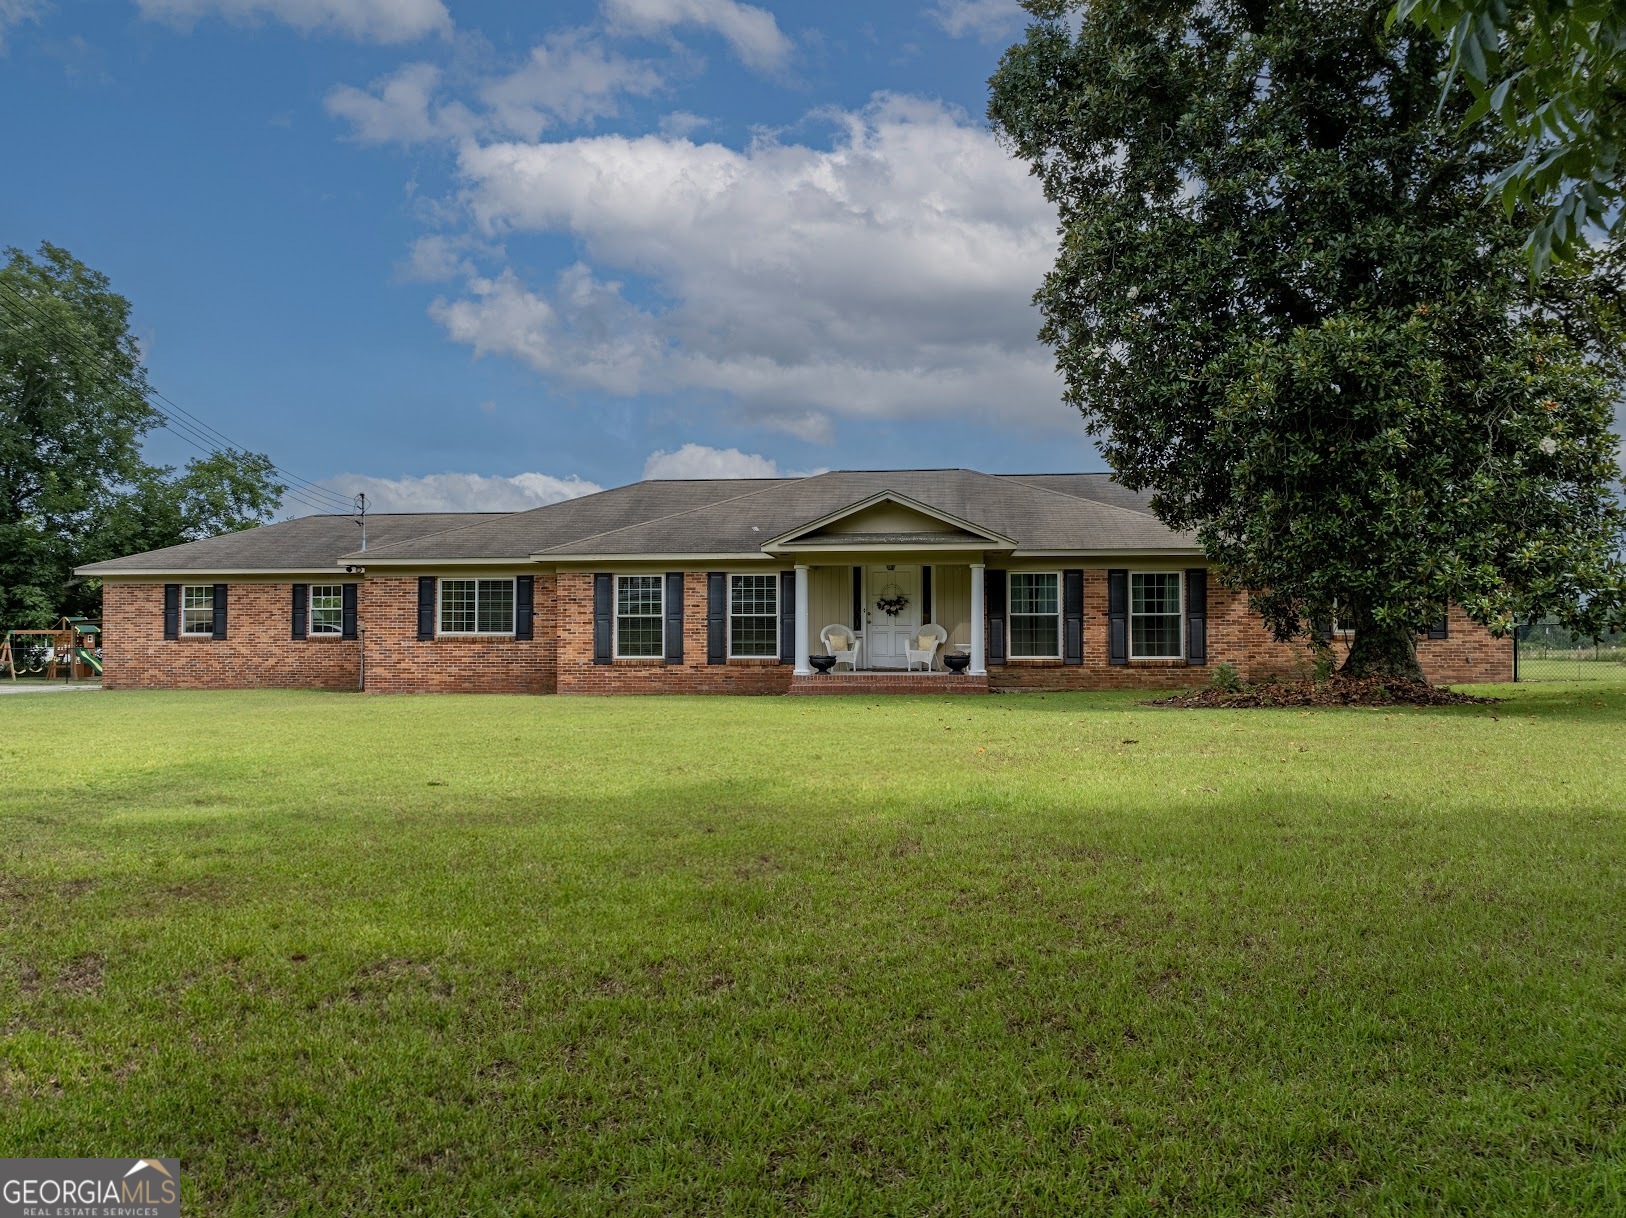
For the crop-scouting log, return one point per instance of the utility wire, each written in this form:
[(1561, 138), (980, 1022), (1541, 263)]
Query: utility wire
[(186, 426), (198, 434)]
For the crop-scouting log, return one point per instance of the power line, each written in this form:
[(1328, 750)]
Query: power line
[(187, 426)]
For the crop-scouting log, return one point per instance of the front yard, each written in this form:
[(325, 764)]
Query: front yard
[(1017, 954)]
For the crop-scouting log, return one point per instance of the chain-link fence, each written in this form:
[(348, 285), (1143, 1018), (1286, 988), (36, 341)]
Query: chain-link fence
[(1546, 651)]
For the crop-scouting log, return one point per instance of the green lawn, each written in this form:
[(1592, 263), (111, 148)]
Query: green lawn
[(1022, 954)]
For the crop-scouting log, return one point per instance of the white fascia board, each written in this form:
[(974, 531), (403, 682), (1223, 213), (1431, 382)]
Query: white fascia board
[(576, 560), (368, 560), (891, 547), (1100, 553), (203, 572)]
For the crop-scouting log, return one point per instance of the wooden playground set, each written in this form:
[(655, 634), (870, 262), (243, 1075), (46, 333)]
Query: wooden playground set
[(71, 650)]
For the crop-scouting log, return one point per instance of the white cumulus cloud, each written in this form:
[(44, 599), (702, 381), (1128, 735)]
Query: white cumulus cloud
[(451, 492), (888, 276), (400, 108), (751, 32), (570, 77), (15, 12), (702, 461), (369, 20), (989, 20)]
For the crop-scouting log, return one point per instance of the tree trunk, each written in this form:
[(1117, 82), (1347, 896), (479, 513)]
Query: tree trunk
[(1383, 651)]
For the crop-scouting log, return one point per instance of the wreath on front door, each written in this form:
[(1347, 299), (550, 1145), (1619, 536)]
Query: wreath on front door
[(892, 601)]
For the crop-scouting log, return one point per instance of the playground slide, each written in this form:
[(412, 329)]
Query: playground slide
[(86, 656)]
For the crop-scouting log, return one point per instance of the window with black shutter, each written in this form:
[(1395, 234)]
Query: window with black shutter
[(1072, 608), (525, 606), (347, 612), (1118, 616), (1196, 615)]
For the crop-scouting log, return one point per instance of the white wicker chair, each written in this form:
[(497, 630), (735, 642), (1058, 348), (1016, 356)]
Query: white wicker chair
[(845, 635), (936, 635)]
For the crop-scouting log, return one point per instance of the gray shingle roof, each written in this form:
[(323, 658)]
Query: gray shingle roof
[(1035, 517), (308, 543), (521, 534), (1077, 513)]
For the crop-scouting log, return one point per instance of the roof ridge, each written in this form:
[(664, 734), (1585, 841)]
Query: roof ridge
[(474, 524), (638, 524)]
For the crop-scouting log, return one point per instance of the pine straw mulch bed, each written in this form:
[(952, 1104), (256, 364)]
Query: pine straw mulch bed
[(1336, 691)]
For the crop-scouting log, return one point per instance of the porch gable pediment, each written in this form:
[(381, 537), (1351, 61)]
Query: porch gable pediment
[(890, 517)]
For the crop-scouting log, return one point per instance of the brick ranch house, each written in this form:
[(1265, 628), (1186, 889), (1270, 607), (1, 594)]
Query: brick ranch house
[(1047, 581)]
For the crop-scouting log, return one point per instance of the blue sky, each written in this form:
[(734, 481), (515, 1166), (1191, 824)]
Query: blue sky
[(466, 254)]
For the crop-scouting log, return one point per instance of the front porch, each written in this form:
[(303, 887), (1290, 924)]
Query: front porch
[(888, 682), (892, 581), (882, 608)]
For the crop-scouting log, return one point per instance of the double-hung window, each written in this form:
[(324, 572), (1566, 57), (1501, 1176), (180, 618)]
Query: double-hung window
[(638, 605), (1035, 615), (753, 616), (1154, 615), (327, 609), (476, 606), (198, 609)]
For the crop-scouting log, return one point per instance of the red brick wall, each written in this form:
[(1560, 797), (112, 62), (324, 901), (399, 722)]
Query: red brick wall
[(257, 652), (579, 675), (1237, 636), (398, 663)]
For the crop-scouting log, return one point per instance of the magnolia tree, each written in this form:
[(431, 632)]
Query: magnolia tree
[(1281, 304)]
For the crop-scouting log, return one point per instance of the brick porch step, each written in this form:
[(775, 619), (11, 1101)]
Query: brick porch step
[(887, 683)]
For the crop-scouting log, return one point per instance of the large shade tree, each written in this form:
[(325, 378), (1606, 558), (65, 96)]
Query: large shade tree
[(1553, 73), (1281, 304), (74, 487)]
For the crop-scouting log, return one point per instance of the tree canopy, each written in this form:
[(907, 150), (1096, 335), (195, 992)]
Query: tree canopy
[(1280, 305), (1553, 73), (74, 407)]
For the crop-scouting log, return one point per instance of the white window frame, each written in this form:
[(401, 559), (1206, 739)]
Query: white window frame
[(1010, 616), (778, 591), (198, 634), (615, 615), (1180, 600), (311, 632), (476, 580)]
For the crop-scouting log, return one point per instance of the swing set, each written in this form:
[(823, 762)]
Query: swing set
[(71, 650)]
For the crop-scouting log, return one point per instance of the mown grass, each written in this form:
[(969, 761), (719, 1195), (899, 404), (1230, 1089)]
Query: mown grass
[(1011, 955)]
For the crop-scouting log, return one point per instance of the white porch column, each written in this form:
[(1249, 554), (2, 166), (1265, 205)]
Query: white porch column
[(803, 668), (978, 644)]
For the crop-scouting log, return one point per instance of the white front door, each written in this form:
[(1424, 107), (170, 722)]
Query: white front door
[(887, 635)]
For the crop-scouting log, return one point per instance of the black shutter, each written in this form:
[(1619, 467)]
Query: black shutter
[(994, 585), (603, 594), (220, 611), (717, 618), (426, 607), (1196, 615), (301, 604), (674, 617), (925, 595), (347, 611), (787, 617), (1072, 616), (1117, 616), (525, 606), (172, 611), (1322, 627), (1440, 629), (858, 598)]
